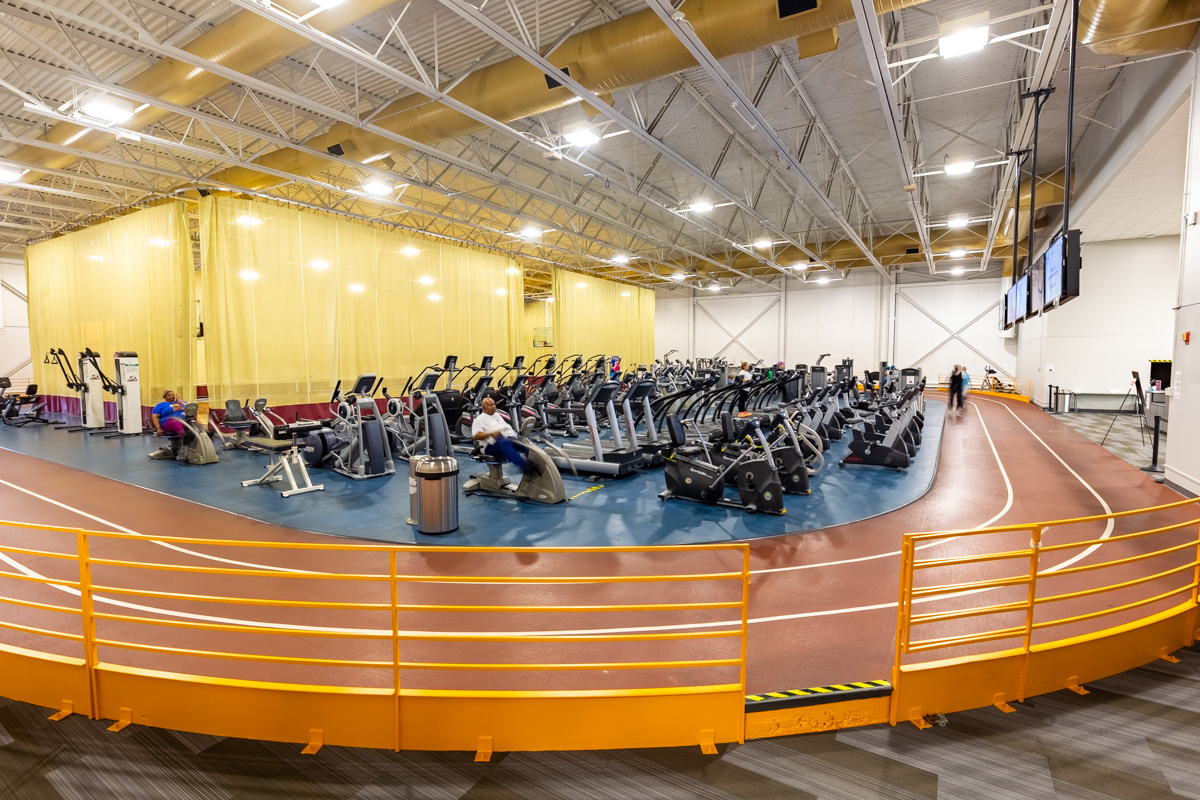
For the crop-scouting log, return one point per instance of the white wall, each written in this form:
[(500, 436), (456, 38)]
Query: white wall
[(863, 318), (14, 326), (1121, 319)]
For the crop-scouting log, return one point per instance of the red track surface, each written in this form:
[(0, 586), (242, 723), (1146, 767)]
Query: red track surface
[(822, 602)]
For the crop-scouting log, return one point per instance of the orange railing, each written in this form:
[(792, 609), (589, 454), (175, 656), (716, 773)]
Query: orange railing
[(1019, 387), (1074, 600), (380, 660)]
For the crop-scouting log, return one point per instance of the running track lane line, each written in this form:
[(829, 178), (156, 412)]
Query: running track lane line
[(535, 634)]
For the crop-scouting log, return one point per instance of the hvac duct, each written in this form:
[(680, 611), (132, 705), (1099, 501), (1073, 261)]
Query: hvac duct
[(1116, 25), (625, 52), (245, 42)]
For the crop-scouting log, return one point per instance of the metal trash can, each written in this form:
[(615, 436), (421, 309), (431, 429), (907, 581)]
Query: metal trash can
[(437, 494)]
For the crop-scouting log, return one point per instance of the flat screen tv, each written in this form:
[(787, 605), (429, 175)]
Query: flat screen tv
[(1061, 273), (1037, 286), (1022, 298)]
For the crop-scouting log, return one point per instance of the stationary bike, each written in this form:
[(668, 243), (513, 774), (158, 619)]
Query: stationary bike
[(541, 482)]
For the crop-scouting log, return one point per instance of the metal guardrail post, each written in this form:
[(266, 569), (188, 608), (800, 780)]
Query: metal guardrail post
[(745, 629), (89, 622), (903, 613), (1035, 549), (395, 642)]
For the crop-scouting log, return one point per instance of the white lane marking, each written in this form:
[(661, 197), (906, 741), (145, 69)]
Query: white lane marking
[(593, 631), (167, 545), (895, 553)]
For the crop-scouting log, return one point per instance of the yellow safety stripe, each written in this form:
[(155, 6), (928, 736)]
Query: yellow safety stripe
[(818, 690)]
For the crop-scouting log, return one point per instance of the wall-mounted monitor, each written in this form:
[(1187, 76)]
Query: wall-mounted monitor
[(1062, 264), (1037, 286), (1022, 287)]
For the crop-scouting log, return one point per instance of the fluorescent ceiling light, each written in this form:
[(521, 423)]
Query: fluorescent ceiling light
[(678, 276), (158, 241), (77, 136), (502, 292), (10, 174), (620, 258), (971, 40), (248, 275), (435, 297), (425, 280), (356, 287), (580, 134), (960, 221), (246, 219), (378, 186), (958, 167), (957, 271), (410, 251), (763, 244), (581, 285), (319, 264), (113, 110), (701, 206), (531, 232), (958, 252)]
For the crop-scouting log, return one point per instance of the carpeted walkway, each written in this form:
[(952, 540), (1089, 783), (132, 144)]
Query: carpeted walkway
[(1137, 735)]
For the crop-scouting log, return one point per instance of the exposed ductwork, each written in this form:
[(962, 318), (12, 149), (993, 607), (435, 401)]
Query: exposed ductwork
[(625, 52), (245, 42), (905, 248), (1137, 27)]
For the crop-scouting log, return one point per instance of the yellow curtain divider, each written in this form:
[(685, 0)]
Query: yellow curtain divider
[(593, 316)]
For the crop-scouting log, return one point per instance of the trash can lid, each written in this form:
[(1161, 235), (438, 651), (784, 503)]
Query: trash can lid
[(437, 465)]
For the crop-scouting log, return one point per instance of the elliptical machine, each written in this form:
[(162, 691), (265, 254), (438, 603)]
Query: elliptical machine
[(703, 481), (354, 442)]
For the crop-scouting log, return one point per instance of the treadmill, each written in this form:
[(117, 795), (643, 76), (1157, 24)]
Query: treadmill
[(615, 458)]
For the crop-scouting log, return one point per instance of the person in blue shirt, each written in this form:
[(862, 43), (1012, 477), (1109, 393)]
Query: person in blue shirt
[(167, 417)]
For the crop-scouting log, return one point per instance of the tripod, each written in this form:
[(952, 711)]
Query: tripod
[(1139, 409)]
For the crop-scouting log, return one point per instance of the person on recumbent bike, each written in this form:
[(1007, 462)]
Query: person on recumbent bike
[(498, 438)]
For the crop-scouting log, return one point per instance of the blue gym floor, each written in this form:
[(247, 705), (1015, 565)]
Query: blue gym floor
[(601, 513)]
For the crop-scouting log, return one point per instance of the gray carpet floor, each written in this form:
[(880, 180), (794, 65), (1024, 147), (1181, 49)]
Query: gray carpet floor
[(1124, 439), (1137, 735)]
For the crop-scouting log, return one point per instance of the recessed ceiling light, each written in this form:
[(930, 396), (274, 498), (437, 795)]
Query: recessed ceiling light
[(531, 232), (410, 250), (378, 186), (248, 275), (246, 219), (701, 206), (502, 292), (9, 174), (425, 280), (958, 252), (113, 110), (958, 167), (971, 40), (957, 271), (678, 276), (356, 288), (319, 264), (960, 221), (620, 258), (763, 244)]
